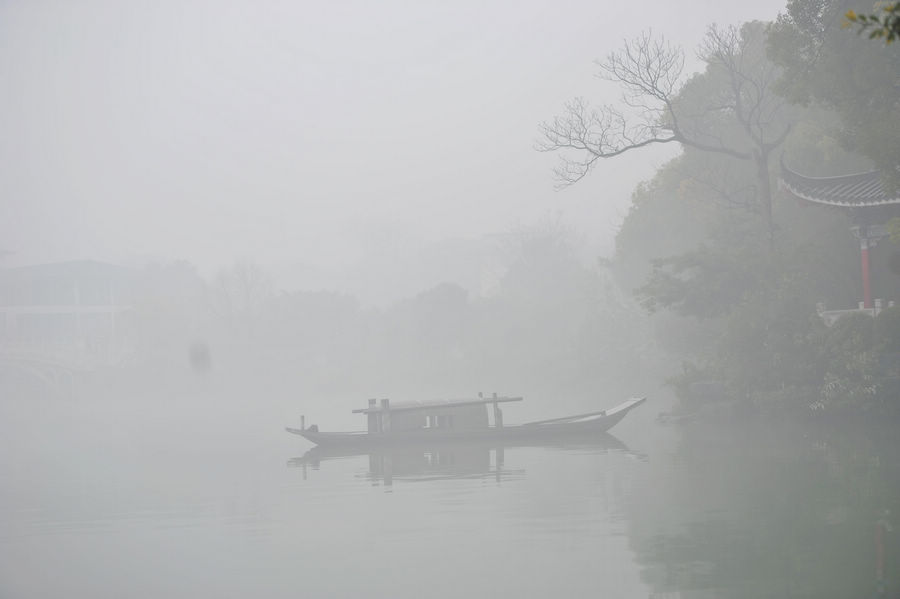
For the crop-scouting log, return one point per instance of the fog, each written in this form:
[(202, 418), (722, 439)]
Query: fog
[(302, 136), (595, 320)]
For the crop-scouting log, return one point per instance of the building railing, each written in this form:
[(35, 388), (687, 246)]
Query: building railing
[(832, 316)]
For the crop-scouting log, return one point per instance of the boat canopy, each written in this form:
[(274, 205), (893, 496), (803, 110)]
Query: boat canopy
[(443, 414), (438, 404)]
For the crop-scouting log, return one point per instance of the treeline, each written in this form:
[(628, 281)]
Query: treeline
[(552, 321)]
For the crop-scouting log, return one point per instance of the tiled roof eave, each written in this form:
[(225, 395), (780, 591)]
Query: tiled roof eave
[(847, 203), (856, 190)]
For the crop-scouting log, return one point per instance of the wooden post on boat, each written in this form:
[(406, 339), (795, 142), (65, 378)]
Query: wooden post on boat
[(302, 423), (498, 414), (372, 418), (385, 415)]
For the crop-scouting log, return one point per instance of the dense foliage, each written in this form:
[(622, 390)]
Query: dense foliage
[(826, 65), (885, 25), (738, 307)]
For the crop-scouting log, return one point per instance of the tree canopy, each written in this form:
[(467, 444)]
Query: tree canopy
[(846, 74), (733, 272), (885, 25)]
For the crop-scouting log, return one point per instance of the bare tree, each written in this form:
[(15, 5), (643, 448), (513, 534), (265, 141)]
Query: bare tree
[(732, 110)]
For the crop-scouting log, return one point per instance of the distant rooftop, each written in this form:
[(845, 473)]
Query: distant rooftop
[(847, 191), (70, 268), (437, 404)]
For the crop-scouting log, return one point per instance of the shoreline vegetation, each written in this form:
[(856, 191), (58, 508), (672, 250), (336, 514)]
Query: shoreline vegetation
[(734, 270)]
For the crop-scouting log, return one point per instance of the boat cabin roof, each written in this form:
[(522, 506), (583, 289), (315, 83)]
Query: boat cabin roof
[(437, 404)]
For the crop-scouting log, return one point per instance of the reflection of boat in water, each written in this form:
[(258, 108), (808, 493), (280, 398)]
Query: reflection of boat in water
[(448, 460), (460, 420)]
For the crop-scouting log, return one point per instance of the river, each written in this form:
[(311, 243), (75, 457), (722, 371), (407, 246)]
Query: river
[(196, 497)]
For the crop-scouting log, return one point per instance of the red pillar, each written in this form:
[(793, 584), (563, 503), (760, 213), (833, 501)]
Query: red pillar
[(867, 290)]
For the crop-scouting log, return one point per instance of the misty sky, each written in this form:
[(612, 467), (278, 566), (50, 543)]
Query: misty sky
[(303, 132)]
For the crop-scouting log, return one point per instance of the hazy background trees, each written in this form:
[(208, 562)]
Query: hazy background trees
[(552, 320)]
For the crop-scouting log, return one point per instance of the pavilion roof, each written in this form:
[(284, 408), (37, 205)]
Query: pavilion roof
[(848, 191), (70, 269)]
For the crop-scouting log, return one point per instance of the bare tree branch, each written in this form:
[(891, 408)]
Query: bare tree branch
[(649, 70), (650, 74)]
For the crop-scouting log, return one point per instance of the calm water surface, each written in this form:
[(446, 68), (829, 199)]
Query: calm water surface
[(194, 498)]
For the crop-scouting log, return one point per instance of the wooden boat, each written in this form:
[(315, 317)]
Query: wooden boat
[(459, 420)]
